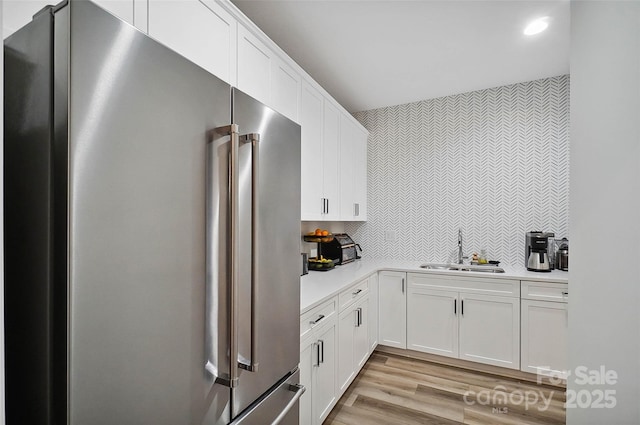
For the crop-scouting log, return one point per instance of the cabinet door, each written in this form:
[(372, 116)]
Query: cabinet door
[(373, 312), (307, 356), (254, 66), (432, 321), (201, 31), (544, 338), (361, 335), (392, 320), (311, 109), (346, 332), (360, 170), (347, 169), (489, 329), (285, 89), (330, 165), (123, 9), (324, 390)]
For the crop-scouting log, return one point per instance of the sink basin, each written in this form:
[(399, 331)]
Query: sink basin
[(463, 267), (436, 266)]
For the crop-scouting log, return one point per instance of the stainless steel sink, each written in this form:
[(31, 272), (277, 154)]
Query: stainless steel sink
[(437, 266), (489, 268)]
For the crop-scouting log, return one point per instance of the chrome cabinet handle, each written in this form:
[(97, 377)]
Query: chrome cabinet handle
[(325, 205), (356, 293), (315, 322), (359, 317), (321, 345), (316, 345), (462, 307), (356, 209), (403, 285), (299, 390), (455, 307), (254, 139)]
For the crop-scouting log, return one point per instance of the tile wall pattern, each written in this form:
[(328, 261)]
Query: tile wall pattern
[(493, 162)]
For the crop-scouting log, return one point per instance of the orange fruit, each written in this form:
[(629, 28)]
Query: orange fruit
[(325, 233), (318, 232)]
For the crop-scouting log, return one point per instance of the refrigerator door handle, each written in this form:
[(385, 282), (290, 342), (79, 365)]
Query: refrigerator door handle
[(254, 139), (230, 380), (299, 390)]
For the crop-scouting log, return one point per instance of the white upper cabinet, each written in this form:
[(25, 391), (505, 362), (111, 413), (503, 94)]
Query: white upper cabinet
[(353, 170), (347, 171), (254, 66), (215, 35), (263, 75), (285, 89), (360, 171), (201, 31), (330, 165), (17, 13), (124, 9), (320, 121), (311, 107)]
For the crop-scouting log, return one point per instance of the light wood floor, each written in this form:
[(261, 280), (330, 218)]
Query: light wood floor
[(396, 390)]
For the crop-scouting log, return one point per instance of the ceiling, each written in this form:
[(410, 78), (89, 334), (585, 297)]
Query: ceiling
[(371, 54)]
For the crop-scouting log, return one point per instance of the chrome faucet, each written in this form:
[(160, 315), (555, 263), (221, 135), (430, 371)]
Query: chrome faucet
[(460, 257)]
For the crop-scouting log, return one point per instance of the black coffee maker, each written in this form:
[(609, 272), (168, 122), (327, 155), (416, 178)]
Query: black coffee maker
[(536, 256)]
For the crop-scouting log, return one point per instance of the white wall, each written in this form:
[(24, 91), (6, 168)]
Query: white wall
[(493, 162), (604, 311)]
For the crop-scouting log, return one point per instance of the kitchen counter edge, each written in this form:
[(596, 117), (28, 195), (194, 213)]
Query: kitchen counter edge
[(317, 287)]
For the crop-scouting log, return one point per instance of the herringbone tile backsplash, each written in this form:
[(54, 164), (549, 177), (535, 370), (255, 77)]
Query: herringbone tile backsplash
[(493, 162)]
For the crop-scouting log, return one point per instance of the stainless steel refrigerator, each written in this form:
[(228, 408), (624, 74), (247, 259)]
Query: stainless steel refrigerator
[(152, 234)]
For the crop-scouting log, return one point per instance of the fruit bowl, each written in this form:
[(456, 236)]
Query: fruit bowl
[(318, 238), (321, 265)]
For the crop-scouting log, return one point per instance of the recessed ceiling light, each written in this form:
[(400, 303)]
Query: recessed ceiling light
[(537, 26)]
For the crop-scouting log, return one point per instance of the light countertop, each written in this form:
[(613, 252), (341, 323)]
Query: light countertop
[(317, 287)]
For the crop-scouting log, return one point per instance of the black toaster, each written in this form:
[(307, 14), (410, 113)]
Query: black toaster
[(342, 249)]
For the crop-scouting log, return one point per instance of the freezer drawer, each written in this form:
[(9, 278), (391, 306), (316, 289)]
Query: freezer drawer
[(279, 406)]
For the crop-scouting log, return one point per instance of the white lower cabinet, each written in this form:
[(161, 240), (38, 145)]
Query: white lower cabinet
[(544, 328), (353, 343), (489, 330), (318, 362), (454, 317), (335, 344), (495, 321), (373, 311), (306, 380), (392, 311), (433, 321)]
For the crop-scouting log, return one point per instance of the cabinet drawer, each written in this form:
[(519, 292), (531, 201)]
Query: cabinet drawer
[(317, 316), (558, 292), (474, 285), (354, 292)]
